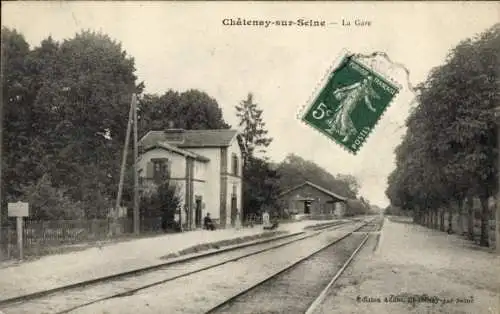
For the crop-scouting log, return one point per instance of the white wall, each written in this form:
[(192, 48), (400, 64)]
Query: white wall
[(178, 162), (177, 171), (200, 170), (211, 174), (233, 180), (181, 193), (199, 190), (234, 148)]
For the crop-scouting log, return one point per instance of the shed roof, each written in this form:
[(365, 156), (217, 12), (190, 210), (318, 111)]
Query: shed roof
[(341, 198)]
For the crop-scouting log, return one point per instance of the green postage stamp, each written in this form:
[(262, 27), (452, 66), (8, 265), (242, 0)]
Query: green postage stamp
[(350, 102)]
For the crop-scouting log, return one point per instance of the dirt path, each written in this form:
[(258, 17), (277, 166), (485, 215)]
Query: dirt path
[(417, 270)]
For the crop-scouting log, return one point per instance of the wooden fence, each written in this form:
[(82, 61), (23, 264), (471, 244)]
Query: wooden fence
[(40, 236), (459, 225)]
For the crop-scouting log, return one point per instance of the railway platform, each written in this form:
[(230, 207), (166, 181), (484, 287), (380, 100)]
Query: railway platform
[(53, 271)]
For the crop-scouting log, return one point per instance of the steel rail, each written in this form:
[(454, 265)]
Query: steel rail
[(130, 292), (273, 276), (321, 297), (145, 270)]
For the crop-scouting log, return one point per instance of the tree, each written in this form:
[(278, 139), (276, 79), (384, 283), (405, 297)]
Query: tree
[(295, 170), (452, 135), (162, 201), (351, 183), (17, 110), (260, 186), (49, 203), (67, 108), (190, 110), (255, 135)]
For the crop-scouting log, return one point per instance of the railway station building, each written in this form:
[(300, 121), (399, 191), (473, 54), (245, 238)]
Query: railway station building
[(309, 199), (206, 167)]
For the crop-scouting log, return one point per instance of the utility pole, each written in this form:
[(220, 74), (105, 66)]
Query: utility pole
[(136, 170), (497, 201), (1, 152), (124, 163)]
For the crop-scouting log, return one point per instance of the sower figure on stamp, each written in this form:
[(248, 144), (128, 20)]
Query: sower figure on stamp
[(349, 96)]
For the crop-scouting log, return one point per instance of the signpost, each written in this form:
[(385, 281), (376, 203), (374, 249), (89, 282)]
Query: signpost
[(19, 210)]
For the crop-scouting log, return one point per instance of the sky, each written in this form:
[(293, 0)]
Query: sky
[(184, 45)]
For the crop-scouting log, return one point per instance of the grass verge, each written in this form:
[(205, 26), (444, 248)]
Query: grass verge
[(223, 243)]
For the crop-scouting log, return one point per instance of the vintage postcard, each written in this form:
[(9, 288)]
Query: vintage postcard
[(249, 157)]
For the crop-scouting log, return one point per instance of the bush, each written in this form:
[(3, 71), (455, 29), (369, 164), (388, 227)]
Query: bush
[(161, 201), (47, 202)]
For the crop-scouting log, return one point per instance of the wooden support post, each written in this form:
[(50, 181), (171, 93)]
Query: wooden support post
[(136, 170), (19, 210), (497, 201), (19, 227), (1, 154), (122, 170)]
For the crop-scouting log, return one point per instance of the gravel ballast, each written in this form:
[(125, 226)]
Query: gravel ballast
[(202, 291)]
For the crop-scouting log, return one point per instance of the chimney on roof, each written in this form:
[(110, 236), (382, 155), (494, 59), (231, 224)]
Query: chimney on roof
[(173, 135)]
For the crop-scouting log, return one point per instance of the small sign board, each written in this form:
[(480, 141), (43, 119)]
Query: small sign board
[(18, 209)]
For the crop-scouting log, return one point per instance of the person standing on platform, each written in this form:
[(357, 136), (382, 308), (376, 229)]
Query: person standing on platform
[(265, 219), (237, 223)]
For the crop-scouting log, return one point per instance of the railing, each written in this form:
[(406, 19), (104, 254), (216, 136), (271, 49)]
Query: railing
[(39, 237)]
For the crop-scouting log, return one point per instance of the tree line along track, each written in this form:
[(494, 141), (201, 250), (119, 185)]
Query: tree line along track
[(127, 283), (302, 286)]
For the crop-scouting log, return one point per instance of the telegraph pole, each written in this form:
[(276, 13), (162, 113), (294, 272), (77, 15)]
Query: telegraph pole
[(1, 152), (136, 170), (497, 201), (124, 163)]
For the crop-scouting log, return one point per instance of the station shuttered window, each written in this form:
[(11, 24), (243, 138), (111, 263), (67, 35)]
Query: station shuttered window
[(159, 169)]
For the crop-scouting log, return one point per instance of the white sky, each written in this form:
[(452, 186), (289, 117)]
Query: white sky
[(184, 45)]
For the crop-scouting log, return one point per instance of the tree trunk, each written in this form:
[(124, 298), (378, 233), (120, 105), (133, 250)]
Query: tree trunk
[(450, 217), (459, 216), (470, 218), (441, 222), (497, 222), (485, 223)]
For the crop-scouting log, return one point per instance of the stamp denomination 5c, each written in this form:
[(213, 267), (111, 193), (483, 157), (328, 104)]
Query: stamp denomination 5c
[(350, 103)]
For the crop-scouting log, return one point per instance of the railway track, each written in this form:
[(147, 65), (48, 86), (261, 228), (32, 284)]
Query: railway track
[(69, 298), (302, 286)]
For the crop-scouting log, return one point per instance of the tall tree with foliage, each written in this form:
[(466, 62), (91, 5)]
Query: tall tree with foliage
[(66, 114), (17, 114), (260, 186), (294, 170), (255, 134), (453, 135), (190, 110)]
